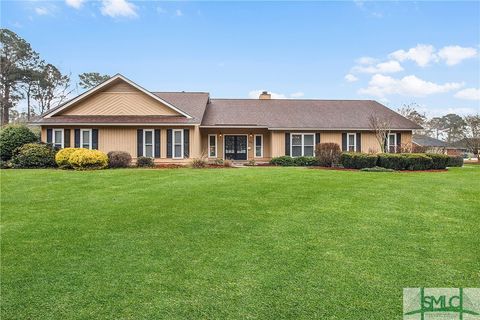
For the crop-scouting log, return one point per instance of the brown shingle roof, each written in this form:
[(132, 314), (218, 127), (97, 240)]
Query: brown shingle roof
[(286, 113)]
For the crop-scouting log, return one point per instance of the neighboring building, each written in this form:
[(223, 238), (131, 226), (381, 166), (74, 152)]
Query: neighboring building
[(119, 115), (423, 143)]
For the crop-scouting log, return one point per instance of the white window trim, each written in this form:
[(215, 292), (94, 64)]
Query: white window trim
[(354, 141), (255, 146), (395, 144), (173, 143), (209, 145), (61, 138), (153, 142), (303, 142), (90, 138)]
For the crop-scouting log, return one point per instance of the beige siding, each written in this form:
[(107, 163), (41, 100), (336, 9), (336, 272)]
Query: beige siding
[(370, 143), (120, 86), (278, 143), (118, 139), (107, 104), (331, 137)]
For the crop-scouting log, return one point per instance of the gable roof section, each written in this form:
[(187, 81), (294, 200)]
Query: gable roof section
[(105, 84), (278, 114)]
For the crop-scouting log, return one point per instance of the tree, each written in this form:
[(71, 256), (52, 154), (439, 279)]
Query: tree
[(454, 126), (15, 53), (472, 134), (51, 89), (410, 112), (92, 79), (381, 127), (31, 73), (435, 127)]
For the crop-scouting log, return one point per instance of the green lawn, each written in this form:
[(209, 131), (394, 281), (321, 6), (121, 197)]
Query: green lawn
[(253, 243)]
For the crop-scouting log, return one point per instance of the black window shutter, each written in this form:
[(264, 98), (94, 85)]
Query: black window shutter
[(139, 142), (66, 138), (95, 139), (359, 142), (169, 143), (77, 138), (317, 138), (287, 143), (49, 135), (344, 142), (157, 143), (186, 143), (399, 141)]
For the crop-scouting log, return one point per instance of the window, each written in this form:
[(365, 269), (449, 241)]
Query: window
[(351, 142), (57, 138), (302, 144), (86, 138), (177, 144), (259, 146), (148, 143), (212, 145), (392, 142)]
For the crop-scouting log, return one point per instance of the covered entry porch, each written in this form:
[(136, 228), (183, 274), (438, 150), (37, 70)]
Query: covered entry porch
[(236, 144)]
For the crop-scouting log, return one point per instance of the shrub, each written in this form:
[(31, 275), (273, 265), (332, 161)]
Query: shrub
[(395, 161), (417, 161), (85, 159), (145, 162), (251, 163), (119, 159), (13, 137), (199, 163), (327, 154), (455, 161), (284, 161), (227, 164), (218, 162), (34, 155), (439, 161), (352, 160), (305, 161), (377, 169), (5, 164), (62, 157)]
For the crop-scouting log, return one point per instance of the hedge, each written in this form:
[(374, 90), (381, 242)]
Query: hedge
[(395, 161), (13, 137), (352, 160), (33, 155), (286, 161), (440, 161), (145, 162), (418, 161), (455, 161), (62, 157), (119, 159)]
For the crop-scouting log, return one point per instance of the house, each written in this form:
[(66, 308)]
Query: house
[(119, 115), (423, 143)]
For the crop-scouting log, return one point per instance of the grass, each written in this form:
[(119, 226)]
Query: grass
[(253, 243)]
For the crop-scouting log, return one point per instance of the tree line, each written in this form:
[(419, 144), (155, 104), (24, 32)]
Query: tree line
[(25, 76)]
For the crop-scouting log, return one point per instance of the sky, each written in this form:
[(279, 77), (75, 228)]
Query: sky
[(395, 52)]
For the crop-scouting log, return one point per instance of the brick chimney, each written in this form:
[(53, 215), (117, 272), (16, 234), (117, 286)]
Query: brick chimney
[(265, 95)]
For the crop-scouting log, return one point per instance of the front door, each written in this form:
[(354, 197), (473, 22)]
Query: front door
[(236, 147)]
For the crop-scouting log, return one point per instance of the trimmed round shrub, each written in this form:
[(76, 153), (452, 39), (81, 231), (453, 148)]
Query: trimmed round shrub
[(119, 159), (13, 137), (145, 162), (284, 161), (62, 157), (439, 161), (34, 155), (327, 154), (395, 161), (354, 160), (305, 161), (85, 159), (418, 161), (455, 161)]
